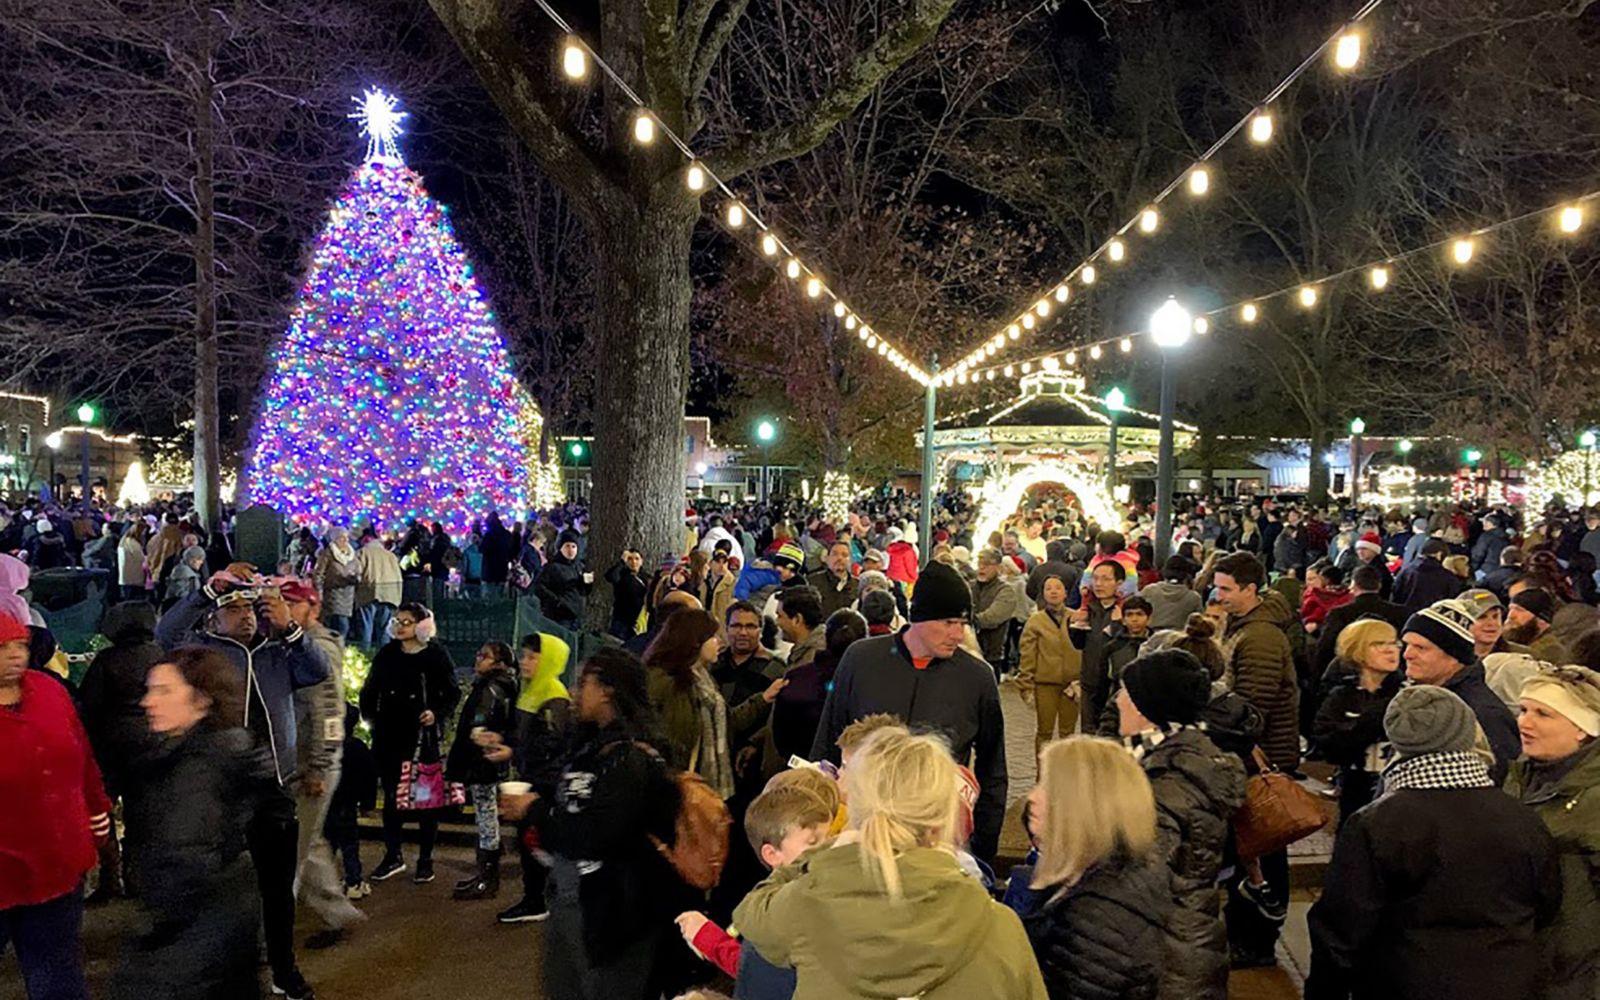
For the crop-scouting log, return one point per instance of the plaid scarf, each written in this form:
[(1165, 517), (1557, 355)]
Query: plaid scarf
[(1457, 769), (1140, 744)]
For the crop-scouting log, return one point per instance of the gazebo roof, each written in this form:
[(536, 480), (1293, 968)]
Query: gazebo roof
[(1051, 399)]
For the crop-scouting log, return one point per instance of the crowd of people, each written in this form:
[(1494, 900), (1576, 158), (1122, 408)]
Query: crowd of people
[(787, 769)]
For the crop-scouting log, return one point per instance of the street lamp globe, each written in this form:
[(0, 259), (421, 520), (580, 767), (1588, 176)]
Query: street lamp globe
[(1405, 446), (86, 414), (1474, 456), (53, 441), (766, 431), (1587, 439), (575, 449), (1358, 426), (1116, 399), (1171, 325)]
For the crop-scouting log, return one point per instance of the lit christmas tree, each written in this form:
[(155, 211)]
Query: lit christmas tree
[(390, 396)]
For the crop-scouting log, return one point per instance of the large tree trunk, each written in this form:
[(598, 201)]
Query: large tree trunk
[(207, 438), (1317, 492), (641, 381)]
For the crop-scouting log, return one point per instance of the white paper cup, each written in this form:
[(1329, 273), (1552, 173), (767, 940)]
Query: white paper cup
[(515, 788)]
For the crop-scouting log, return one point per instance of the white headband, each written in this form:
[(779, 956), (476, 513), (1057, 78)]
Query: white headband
[(1559, 698)]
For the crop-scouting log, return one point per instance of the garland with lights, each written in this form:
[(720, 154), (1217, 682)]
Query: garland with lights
[(1566, 218), (390, 396)]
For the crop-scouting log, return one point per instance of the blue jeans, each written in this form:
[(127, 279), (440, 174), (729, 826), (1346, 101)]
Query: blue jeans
[(339, 624), (372, 622), (47, 938)]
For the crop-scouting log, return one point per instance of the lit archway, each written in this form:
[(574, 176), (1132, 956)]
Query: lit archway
[(1002, 495)]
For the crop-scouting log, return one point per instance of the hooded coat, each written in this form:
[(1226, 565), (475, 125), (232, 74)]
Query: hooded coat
[(561, 590), (1262, 662), (1566, 796), (113, 687), (1197, 789), (826, 917)]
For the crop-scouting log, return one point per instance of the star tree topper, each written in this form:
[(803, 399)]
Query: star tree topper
[(380, 117)]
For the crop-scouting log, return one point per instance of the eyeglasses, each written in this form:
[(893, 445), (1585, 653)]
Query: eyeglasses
[(404, 623), (1391, 644)]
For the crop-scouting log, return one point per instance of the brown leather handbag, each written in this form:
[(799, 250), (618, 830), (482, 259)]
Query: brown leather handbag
[(1276, 812)]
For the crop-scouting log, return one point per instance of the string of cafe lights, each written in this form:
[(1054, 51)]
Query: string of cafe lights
[(1345, 44), (1566, 219), (735, 215)]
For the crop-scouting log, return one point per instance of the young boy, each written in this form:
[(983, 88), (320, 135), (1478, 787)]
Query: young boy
[(785, 821), (357, 791)]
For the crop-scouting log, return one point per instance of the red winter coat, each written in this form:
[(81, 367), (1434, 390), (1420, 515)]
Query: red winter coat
[(49, 787), (902, 562), (1318, 601)]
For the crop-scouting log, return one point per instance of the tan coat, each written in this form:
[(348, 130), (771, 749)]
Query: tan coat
[(1048, 655)]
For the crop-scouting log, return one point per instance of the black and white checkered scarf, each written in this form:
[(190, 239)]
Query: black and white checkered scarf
[(1140, 744), (1456, 769)]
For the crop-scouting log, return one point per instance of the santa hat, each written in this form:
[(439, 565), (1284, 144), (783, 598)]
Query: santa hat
[(1371, 541)]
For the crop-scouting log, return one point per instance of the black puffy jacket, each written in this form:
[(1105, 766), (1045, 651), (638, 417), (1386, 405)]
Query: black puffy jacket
[(1101, 938), (113, 687), (1197, 788), (200, 791), (561, 590)]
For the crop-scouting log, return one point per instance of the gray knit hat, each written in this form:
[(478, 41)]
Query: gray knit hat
[(1423, 719)]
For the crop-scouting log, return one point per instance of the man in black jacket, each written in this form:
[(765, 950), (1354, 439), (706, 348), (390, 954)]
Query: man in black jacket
[(1426, 581), (1439, 653), (923, 677), (1439, 888)]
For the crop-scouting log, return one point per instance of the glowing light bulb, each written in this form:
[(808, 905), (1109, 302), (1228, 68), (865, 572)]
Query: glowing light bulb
[(1116, 250), (695, 177), (1051, 364), (1094, 353), (990, 375), (872, 339), (1063, 293), (1378, 278), (644, 128), (792, 269), (1027, 321), (1042, 307), (1571, 219), (1249, 313), (1088, 274), (863, 333), (1261, 127), (989, 350), (1347, 50), (1202, 325), (735, 215), (813, 287), (1308, 295), (574, 61), (1149, 220), (1009, 371), (1013, 331), (1072, 359), (850, 322), (1199, 181), (769, 245), (883, 347), (962, 378), (1027, 366), (1126, 344), (1461, 251), (838, 310)]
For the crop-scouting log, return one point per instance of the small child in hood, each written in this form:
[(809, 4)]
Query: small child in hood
[(357, 792), (188, 575)]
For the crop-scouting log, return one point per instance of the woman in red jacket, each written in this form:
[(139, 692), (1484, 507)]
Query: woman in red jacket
[(55, 810)]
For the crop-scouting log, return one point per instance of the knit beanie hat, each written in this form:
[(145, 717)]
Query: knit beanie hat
[(1371, 541), (1424, 719), (940, 593), (567, 536), (1167, 686), (1537, 603), (789, 554), (12, 630), (1448, 625)]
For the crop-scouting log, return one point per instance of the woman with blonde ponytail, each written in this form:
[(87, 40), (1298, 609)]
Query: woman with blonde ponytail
[(887, 911)]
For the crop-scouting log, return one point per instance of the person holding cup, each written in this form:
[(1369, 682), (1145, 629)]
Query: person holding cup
[(563, 584), (611, 894), (486, 716)]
